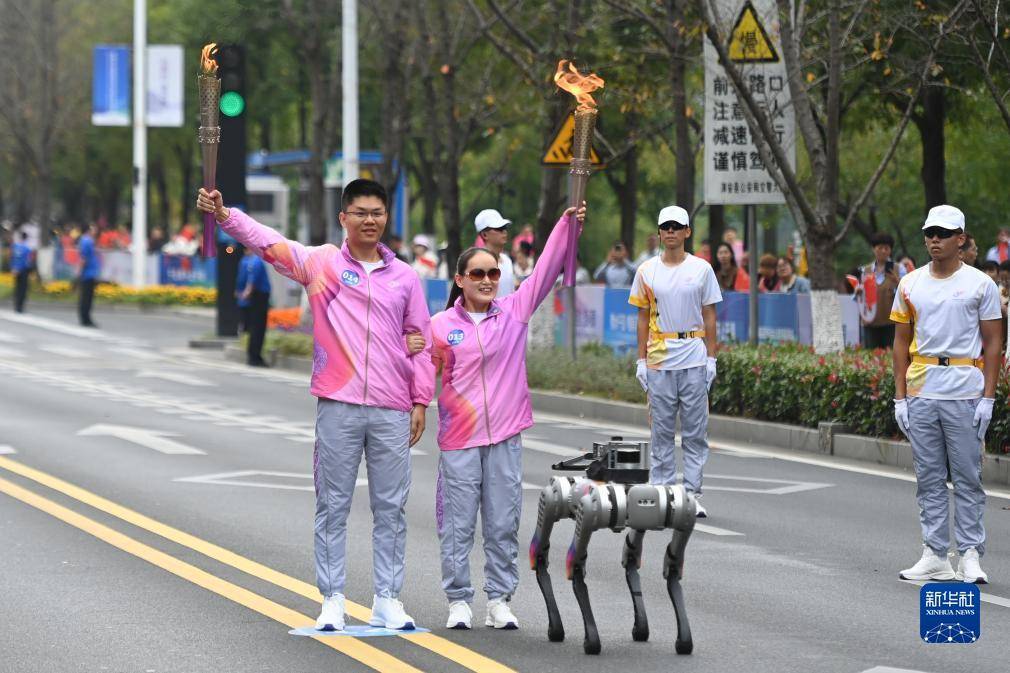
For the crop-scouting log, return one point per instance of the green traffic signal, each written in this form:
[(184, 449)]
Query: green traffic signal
[(232, 104)]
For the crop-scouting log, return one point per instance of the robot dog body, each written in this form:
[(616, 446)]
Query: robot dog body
[(613, 495)]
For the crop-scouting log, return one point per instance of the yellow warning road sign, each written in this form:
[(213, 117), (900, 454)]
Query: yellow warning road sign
[(749, 42), (559, 153)]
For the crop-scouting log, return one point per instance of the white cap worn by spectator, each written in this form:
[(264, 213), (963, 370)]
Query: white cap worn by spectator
[(946, 217), (422, 240), (490, 219), (674, 214)]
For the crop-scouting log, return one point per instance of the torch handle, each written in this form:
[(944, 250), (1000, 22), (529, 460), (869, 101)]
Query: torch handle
[(209, 183)]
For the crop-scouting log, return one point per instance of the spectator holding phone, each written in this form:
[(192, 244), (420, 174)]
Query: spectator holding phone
[(878, 282), (616, 271)]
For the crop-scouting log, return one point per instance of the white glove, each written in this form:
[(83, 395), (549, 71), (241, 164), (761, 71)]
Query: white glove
[(901, 415), (983, 414), (640, 374), (710, 372)]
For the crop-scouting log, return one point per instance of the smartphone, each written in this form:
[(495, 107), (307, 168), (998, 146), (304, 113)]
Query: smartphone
[(888, 266)]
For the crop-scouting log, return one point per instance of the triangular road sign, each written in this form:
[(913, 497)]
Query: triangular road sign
[(559, 153), (749, 42)]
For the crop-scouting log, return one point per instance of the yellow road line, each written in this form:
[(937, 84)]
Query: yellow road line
[(352, 647), (446, 648)]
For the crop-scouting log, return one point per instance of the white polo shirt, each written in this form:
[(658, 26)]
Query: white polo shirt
[(945, 315), (507, 282), (675, 296)]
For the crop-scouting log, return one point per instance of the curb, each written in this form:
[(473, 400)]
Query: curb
[(190, 311), (829, 439)]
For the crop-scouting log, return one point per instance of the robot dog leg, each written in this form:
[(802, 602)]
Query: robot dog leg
[(555, 504), (601, 506), (631, 559), (681, 518)]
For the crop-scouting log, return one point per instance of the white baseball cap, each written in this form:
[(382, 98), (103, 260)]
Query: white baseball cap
[(674, 214), (490, 219), (421, 239), (947, 217)]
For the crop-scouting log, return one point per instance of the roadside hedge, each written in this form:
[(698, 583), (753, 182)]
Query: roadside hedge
[(785, 383), (152, 295)]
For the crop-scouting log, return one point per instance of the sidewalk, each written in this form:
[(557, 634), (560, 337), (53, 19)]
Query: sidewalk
[(829, 442)]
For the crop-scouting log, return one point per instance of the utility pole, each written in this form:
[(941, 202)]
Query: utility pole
[(349, 42), (139, 141)]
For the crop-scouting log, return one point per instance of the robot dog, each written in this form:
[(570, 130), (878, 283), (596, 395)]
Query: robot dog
[(614, 494)]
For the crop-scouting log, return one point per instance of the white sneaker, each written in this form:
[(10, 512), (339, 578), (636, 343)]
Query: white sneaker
[(968, 568), (388, 613), (500, 616), (700, 511), (331, 618), (930, 567), (460, 616)]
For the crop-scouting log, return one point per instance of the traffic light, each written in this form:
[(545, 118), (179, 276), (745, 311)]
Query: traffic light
[(231, 165)]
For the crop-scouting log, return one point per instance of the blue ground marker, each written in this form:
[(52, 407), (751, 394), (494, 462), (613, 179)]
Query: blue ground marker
[(356, 631)]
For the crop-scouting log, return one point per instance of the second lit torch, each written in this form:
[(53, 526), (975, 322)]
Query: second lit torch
[(567, 77), (209, 136)]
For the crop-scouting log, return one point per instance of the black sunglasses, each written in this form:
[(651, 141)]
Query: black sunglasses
[(938, 232), (478, 274), (672, 226)]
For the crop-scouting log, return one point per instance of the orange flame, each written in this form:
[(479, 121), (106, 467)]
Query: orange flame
[(567, 77), (207, 63)]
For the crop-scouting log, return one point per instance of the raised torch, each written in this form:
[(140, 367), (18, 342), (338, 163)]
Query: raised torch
[(567, 77), (209, 135)]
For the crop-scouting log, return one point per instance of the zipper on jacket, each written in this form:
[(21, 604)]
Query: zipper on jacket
[(483, 381), (368, 333)]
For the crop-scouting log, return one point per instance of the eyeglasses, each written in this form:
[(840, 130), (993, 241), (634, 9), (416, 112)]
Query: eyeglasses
[(362, 215), (478, 275), (938, 232), (672, 226)]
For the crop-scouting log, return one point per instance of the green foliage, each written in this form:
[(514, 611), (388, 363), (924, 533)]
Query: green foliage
[(294, 344)]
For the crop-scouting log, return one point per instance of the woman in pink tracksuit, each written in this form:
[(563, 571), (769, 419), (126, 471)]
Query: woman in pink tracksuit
[(479, 344)]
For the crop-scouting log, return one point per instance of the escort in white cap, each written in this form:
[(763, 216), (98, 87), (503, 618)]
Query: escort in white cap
[(492, 231), (676, 293), (947, 342)]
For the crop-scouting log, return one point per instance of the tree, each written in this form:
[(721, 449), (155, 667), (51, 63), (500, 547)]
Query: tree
[(31, 82), (456, 79), (317, 23), (818, 42)]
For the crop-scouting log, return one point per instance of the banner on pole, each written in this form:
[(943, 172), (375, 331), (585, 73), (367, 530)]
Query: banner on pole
[(110, 85), (734, 170), (164, 85)]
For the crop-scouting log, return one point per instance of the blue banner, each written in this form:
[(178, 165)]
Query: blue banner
[(110, 86), (437, 293), (188, 270), (620, 321)]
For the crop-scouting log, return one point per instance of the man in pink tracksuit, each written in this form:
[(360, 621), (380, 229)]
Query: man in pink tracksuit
[(479, 343), (372, 394)]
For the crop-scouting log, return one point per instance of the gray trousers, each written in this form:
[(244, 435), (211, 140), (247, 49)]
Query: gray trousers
[(942, 431), (488, 478), (680, 392), (343, 432)]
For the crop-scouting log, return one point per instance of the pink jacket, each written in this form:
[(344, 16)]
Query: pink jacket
[(485, 398), (359, 321)]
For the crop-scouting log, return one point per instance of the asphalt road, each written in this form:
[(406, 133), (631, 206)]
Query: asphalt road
[(156, 514)]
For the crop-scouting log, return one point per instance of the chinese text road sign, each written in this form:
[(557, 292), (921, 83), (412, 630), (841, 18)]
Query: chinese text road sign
[(559, 153), (734, 170)]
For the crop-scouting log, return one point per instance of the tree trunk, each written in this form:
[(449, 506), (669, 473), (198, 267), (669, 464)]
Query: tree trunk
[(317, 162), (629, 200), (161, 188), (716, 225), (934, 165), (184, 154), (552, 192), (681, 122)]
